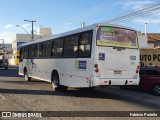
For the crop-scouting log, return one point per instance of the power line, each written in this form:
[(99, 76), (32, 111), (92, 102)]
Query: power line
[(140, 15), (90, 12), (140, 11), (137, 15), (129, 13)]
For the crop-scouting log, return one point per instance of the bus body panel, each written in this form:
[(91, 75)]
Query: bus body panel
[(113, 63), (117, 61), (117, 65), (69, 74)]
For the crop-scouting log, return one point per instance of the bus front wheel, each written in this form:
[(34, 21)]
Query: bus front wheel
[(26, 76), (55, 83)]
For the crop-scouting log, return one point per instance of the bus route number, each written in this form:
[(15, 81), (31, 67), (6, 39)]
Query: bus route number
[(132, 57)]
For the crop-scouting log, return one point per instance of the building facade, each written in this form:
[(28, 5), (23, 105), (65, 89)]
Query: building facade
[(19, 39), (153, 40), (5, 48), (150, 55)]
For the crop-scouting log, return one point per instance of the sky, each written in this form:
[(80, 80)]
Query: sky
[(66, 15)]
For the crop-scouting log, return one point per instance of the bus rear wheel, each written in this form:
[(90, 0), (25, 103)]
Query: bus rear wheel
[(55, 83), (26, 76)]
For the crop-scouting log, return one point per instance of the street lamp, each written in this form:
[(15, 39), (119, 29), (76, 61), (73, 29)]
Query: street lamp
[(25, 31), (32, 21)]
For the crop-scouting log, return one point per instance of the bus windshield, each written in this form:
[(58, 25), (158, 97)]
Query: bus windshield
[(116, 37)]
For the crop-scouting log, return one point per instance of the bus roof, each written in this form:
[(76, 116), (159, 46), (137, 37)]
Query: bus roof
[(90, 27)]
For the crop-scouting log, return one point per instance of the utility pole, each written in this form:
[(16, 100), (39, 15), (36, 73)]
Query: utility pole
[(3, 48), (32, 21)]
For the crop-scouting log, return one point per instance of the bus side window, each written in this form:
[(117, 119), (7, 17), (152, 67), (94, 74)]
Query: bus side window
[(57, 48), (44, 49), (32, 48), (48, 48), (53, 52), (40, 50), (71, 46), (21, 54), (85, 45), (35, 50), (26, 56), (29, 51), (24, 52)]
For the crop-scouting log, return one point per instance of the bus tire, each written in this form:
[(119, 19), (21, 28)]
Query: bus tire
[(55, 83), (26, 76)]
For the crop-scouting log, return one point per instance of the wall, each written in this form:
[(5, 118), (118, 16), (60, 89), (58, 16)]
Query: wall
[(149, 57)]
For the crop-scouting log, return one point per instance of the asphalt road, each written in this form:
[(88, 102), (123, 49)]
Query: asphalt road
[(18, 95)]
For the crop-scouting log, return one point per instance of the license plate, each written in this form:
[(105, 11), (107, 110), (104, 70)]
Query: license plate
[(117, 72)]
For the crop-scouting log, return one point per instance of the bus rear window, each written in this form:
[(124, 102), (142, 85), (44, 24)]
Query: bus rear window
[(116, 37)]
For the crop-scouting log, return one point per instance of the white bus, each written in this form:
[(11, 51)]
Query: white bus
[(96, 55)]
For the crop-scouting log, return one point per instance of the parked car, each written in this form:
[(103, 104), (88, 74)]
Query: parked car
[(4, 63), (150, 79)]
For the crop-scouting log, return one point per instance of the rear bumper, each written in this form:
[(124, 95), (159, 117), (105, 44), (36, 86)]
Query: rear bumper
[(109, 81)]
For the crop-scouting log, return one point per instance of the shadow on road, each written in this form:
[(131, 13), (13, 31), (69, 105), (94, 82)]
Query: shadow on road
[(22, 82), (30, 92), (97, 93), (130, 96)]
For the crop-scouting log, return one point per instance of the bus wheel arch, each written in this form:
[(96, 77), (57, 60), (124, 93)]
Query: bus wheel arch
[(26, 76)]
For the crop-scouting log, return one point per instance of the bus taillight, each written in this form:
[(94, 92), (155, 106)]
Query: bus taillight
[(96, 65), (138, 67), (96, 70)]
